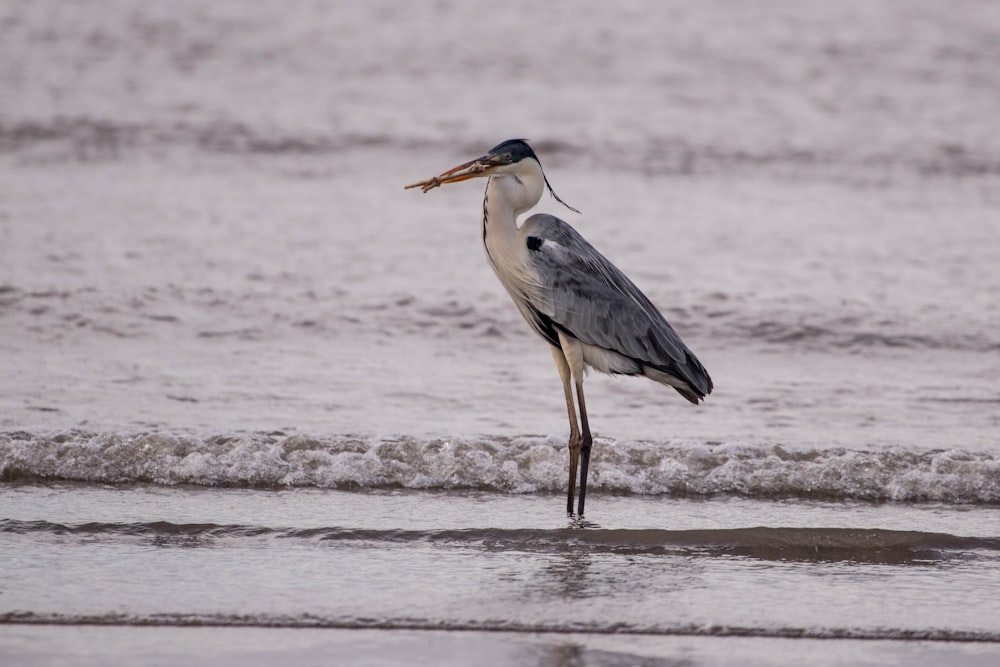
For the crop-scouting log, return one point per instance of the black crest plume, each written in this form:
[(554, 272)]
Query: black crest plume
[(519, 149)]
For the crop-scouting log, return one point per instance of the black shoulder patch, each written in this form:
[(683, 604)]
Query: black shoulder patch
[(534, 243)]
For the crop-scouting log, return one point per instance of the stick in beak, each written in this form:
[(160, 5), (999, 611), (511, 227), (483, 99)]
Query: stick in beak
[(462, 172)]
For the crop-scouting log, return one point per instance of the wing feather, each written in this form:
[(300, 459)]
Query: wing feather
[(588, 297)]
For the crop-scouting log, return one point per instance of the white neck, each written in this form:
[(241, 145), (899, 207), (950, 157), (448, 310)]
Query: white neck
[(509, 193)]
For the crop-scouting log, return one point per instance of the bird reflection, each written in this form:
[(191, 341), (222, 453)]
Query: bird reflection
[(570, 575), (574, 655)]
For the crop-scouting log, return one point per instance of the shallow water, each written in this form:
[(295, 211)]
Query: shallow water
[(473, 561), (249, 381)]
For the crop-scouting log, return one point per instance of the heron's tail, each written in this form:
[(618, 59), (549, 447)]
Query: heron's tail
[(690, 394), (691, 380)]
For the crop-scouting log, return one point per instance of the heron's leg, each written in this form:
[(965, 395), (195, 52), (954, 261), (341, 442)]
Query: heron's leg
[(585, 443), (574, 431)]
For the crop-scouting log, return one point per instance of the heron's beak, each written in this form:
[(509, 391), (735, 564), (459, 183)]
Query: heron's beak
[(481, 166)]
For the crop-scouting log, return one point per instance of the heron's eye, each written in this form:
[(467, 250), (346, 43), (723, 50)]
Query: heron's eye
[(507, 157)]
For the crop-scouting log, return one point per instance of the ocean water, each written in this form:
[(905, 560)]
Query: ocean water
[(260, 403)]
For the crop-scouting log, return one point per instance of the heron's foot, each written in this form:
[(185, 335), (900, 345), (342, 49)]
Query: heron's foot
[(577, 522)]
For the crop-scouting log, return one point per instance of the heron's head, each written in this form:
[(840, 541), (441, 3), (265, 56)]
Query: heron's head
[(512, 157)]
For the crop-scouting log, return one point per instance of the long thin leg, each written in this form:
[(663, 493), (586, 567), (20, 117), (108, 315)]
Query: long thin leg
[(585, 445), (574, 431)]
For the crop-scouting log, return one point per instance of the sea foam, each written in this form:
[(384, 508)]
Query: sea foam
[(523, 464)]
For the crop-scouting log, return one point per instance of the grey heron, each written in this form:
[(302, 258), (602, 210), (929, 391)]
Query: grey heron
[(586, 309)]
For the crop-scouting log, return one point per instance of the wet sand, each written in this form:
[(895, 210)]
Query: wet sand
[(85, 646)]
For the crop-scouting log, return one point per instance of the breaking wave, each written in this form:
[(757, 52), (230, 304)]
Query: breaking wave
[(523, 464)]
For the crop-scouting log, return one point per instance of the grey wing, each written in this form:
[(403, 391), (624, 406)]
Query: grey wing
[(589, 298)]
